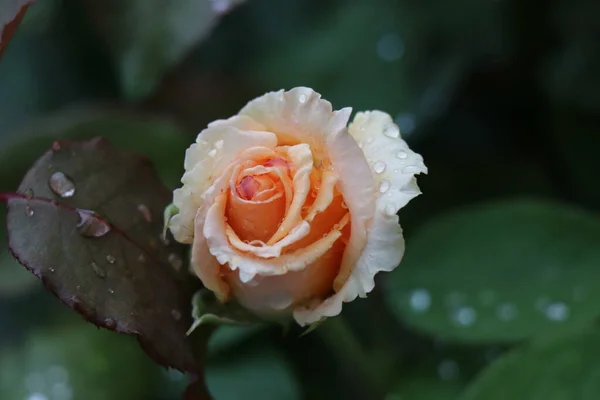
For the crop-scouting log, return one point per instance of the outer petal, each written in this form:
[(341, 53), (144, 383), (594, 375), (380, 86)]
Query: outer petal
[(298, 116), (216, 147), (382, 145)]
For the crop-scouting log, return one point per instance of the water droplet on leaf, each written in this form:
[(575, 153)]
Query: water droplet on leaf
[(51, 269), (62, 185), (145, 211), (175, 261), (98, 270), (464, 316), (91, 225), (176, 314), (557, 311), (111, 259), (379, 167), (420, 300)]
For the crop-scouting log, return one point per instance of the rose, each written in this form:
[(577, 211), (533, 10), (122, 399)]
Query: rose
[(288, 210)]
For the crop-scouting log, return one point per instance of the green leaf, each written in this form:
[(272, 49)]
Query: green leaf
[(148, 37), (75, 362), (109, 264), (556, 370), (208, 310), (257, 373), (502, 271), (11, 14)]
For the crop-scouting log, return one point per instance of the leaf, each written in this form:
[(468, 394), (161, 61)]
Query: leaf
[(109, 265), (76, 362), (557, 370), (159, 139), (502, 271), (256, 373), (11, 14), (148, 37), (207, 310)]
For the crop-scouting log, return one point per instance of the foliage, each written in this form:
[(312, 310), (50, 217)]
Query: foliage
[(497, 295)]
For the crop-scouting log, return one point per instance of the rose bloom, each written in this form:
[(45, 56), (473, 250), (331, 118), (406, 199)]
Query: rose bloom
[(292, 212)]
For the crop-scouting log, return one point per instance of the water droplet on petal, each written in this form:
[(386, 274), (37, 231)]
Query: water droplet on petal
[(212, 153), (110, 323), (111, 259), (175, 261), (302, 98), (464, 316), (145, 211), (420, 300), (29, 211), (62, 185), (506, 311), (98, 270), (379, 167), (91, 225), (391, 131), (557, 311), (384, 186), (28, 193), (344, 205), (401, 155), (176, 314), (390, 210), (219, 144), (448, 370)]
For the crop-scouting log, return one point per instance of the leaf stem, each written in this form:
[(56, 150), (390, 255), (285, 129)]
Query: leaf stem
[(341, 340)]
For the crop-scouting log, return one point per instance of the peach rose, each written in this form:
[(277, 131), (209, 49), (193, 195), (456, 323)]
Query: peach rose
[(288, 210)]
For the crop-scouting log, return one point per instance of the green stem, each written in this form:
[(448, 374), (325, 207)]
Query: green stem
[(341, 340)]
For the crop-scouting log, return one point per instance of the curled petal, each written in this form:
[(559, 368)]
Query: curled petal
[(217, 146)]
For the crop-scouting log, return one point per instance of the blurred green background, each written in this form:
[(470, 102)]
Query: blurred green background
[(499, 293)]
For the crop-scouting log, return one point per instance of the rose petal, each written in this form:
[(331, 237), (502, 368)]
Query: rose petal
[(218, 145), (385, 244)]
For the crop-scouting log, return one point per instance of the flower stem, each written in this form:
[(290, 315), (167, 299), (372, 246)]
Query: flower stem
[(341, 340)]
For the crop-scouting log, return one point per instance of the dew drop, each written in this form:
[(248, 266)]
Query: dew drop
[(91, 225), (62, 185), (56, 146), (176, 314), (29, 211), (557, 311), (379, 167), (110, 323), (175, 261), (98, 270), (420, 300), (111, 291), (401, 155), (302, 98), (212, 153), (391, 131), (219, 144), (506, 311), (464, 316), (145, 211), (111, 259), (51, 269), (448, 370), (384, 186), (390, 210), (28, 194), (344, 205)]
